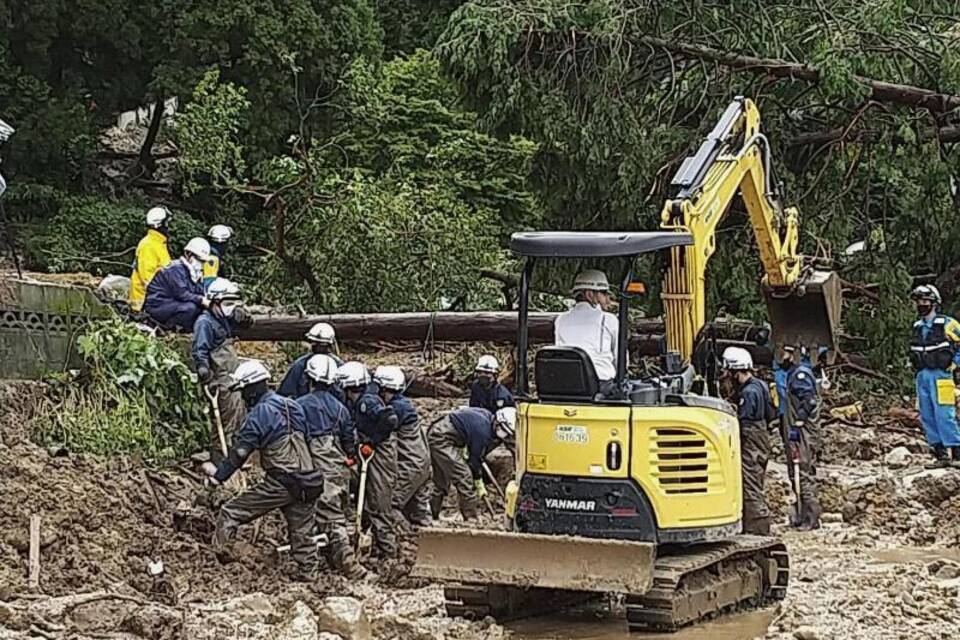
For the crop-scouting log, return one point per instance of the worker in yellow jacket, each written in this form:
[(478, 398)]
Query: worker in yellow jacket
[(152, 255)]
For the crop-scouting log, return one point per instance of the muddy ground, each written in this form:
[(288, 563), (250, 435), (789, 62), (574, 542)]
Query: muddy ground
[(125, 553)]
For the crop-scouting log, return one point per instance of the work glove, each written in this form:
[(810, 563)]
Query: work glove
[(351, 461), (210, 470), (794, 434), (481, 489), (366, 451), (204, 374)]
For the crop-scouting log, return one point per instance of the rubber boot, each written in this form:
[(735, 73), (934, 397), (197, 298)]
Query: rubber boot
[(940, 460), (955, 454), (341, 556), (757, 526), (810, 518)]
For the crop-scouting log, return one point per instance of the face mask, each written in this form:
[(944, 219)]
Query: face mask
[(196, 268), (924, 308), (485, 382), (786, 362), (227, 308)]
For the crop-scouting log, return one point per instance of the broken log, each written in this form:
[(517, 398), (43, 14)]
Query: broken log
[(448, 326)]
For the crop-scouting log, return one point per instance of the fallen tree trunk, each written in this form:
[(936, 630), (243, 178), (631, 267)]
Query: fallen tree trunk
[(480, 326)]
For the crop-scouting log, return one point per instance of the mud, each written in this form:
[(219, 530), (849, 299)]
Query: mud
[(885, 564)]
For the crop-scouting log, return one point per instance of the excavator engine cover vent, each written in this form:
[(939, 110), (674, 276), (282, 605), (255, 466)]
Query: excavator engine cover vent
[(809, 314), (681, 462)]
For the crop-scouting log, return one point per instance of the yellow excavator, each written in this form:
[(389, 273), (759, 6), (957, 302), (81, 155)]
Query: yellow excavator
[(636, 490)]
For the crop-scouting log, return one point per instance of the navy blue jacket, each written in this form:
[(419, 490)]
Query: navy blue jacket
[(174, 299), (265, 423), (296, 383), (406, 413), (373, 419), (475, 426), (326, 415), (493, 399), (755, 405), (209, 333), (802, 388)]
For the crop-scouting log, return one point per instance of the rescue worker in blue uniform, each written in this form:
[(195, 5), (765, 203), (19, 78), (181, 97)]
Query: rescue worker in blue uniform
[(376, 424), (755, 412), (215, 266), (479, 431), (276, 427), (801, 424), (331, 433), (486, 392), (411, 493), (322, 339), (175, 296), (935, 356), (214, 357)]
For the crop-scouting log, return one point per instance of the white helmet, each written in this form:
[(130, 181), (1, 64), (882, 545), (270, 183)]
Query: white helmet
[(322, 368), (198, 247), (737, 359), (247, 373), (591, 280), (321, 333), (487, 364), (220, 233), (223, 289), (157, 217), (353, 374), (505, 422), (390, 377), (927, 292)]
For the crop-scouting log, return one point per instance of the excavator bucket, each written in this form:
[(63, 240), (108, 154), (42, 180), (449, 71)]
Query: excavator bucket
[(808, 314), (529, 560)]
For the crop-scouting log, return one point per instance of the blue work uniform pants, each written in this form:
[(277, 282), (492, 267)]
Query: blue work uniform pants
[(936, 401)]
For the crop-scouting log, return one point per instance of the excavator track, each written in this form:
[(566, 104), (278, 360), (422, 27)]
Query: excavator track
[(690, 584), (700, 582)]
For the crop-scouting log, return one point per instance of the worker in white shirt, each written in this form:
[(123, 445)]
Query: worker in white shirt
[(589, 326)]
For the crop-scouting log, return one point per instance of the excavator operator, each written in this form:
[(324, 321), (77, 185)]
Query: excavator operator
[(589, 326)]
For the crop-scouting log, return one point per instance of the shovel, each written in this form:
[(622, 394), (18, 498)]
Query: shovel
[(493, 479), (241, 481), (794, 455), (361, 492)]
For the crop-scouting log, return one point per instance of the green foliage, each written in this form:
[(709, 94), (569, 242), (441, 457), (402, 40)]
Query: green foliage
[(135, 395), (90, 233), (208, 134)]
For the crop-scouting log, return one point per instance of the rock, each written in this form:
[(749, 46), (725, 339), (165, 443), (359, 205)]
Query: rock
[(301, 626), (908, 599), (253, 607), (807, 633), (328, 636), (897, 458), (948, 572), (154, 622), (831, 516), (346, 617)]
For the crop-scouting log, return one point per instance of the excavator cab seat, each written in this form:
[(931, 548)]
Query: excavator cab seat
[(565, 374)]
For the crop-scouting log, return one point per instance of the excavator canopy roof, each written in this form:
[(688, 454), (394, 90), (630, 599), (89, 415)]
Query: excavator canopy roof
[(602, 244)]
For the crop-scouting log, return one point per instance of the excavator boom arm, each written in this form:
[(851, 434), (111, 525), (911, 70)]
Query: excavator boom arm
[(733, 159)]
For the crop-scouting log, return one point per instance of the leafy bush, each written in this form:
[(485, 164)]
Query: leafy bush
[(135, 395), (90, 233)]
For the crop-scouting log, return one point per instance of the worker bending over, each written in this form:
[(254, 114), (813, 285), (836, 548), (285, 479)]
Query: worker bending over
[(331, 434), (589, 326), (802, 423), (274, 426), (214, 357), (215, 267), (175, 295), (486, 391), (411, 493), (479, 431), (376, 424), (755, 412), (935, 357), (322, 339), (151, 256)]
